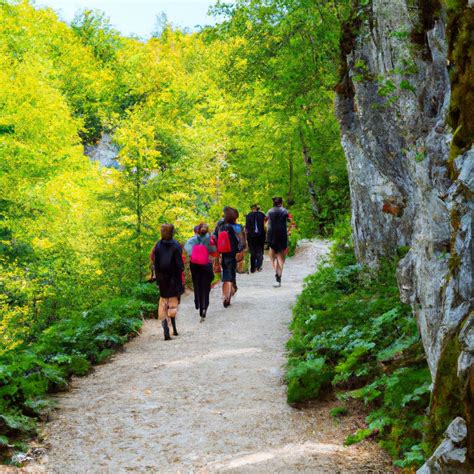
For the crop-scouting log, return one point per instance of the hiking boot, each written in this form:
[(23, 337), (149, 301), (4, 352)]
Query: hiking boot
[(259, 269), (278, 281), (166, 330), (202, 319), (175, 331), (226, 303)]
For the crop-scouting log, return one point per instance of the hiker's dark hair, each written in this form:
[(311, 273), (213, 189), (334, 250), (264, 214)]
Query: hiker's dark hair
[(255, 206), (167, 231), (230, 215), (277, 201), (203, 229)]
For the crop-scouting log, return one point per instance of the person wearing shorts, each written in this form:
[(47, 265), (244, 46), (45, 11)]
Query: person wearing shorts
[(228, 259), (277, 237), (168, 263)]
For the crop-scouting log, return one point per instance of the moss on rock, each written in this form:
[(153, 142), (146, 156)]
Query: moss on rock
[(446, 399)]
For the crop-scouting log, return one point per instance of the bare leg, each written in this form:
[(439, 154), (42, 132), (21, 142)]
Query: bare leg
[(273, 259), (227, 292), (172, 313), (278, 262)]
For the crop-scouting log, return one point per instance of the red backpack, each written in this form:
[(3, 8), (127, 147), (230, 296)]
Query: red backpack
[(223, 242)]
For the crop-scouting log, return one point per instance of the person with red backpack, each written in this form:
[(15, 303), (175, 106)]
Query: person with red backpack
[(228, 245), (199, 249), (168, 265)]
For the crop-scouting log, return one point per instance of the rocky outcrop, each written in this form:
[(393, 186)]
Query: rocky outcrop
[(105, 152), (451, 453), (410, 161)]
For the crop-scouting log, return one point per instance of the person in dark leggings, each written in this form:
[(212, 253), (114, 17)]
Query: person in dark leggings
[(201, 269), (255, 230)]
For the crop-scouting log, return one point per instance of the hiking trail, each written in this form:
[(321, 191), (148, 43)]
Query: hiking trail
[(212, 399)]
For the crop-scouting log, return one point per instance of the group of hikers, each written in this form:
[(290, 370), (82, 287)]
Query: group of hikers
[(222, 250)]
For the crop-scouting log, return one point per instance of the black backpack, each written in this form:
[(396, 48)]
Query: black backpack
[(164, 257)]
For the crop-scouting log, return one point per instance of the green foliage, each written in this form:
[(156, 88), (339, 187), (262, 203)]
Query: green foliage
[(306, 378), (338, 412), (66, 348), (230, 116), (351, 331), (293, 239), (285, 66)]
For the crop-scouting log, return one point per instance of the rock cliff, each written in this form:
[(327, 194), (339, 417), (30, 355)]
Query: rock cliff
[(405, 104)]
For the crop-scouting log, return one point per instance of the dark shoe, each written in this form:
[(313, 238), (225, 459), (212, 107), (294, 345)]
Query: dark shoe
[(166, 330), (226, 303), (259, 269), (175, 331), (252, 270)]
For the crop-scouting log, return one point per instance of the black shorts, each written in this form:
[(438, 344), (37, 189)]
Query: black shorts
[(229, 267)]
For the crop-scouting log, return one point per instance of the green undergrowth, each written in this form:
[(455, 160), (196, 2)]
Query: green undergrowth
[(293, 239), (69, 347), (351, 334)]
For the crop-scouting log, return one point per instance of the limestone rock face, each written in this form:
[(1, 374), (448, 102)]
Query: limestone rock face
[(451, 453), (408, 191), (105, 152)]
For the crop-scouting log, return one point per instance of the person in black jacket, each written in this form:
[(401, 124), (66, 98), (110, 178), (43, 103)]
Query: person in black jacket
[(168, 264), (255, 228)]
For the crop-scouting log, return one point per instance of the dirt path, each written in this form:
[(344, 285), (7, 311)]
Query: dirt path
[(211, 399)]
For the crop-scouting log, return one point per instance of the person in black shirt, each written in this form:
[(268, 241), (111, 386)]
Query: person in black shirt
[(277, 237), (255, 229)]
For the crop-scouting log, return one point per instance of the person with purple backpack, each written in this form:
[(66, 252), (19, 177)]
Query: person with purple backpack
[(199, 249)]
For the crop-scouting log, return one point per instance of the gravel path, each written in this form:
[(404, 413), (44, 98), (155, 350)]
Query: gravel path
[(210, 400)]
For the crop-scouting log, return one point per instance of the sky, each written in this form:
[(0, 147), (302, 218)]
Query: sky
[(137, 16)]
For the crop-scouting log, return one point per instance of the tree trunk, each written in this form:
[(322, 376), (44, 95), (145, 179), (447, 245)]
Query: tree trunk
[(291, 179), (308, 163), (138, 211)]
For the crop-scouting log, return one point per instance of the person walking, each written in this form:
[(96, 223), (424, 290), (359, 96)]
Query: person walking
[(200, 248), (255, 229), (228, 246), (242, 236), (168, 264), (277, 237)]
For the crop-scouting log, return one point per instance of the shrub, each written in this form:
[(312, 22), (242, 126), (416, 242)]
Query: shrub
[(351, 333), (69, 347)]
